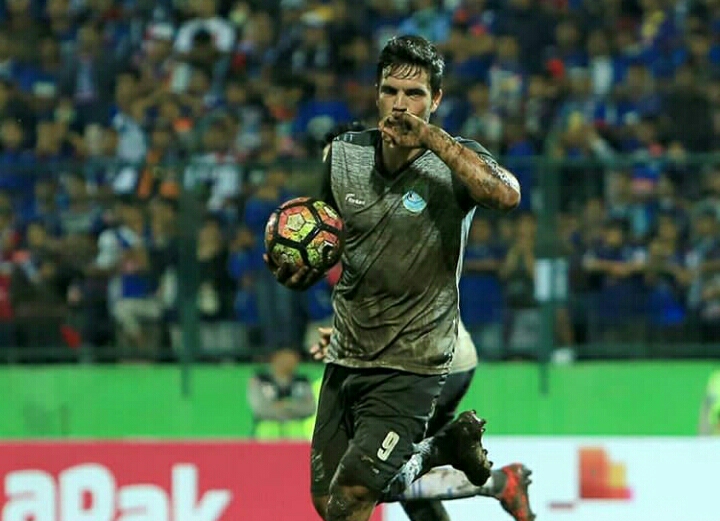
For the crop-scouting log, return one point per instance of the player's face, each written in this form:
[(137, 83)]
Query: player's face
[(407, 88)]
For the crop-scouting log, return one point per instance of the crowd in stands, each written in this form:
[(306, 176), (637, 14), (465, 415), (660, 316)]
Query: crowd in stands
[(111, 110)]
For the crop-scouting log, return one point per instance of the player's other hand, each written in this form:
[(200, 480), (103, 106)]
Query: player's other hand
[(300, 279), (403, 129), (318, 351)]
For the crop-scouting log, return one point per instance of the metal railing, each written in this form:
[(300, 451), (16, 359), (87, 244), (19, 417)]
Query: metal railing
[(57, 305)]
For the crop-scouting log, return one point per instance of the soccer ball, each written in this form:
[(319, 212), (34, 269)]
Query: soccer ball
[(305, 232)]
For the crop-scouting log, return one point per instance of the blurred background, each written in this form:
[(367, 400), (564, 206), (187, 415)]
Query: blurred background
[(144, 144)]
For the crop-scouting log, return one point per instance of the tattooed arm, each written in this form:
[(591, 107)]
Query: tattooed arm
[(488, 183)]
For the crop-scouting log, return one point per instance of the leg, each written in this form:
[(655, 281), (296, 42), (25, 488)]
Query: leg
[(451, 394), (509, 485), (320, 503), (421, 500), (391, 412), (350, 502), (127, 318), (130, 311), (330, 437), (426, 457)]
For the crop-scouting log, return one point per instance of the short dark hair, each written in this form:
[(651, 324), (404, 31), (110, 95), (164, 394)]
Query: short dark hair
[(412, 52)]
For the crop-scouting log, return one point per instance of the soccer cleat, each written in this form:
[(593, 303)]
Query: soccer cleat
[(461, 446), (514, 495)]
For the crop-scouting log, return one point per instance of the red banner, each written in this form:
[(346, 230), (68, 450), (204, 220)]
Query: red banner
[(155, 481)]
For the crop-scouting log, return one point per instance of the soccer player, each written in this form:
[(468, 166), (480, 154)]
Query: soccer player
[(422, 500), (710, 409), (406, 192)]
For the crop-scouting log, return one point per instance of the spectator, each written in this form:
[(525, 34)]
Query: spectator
[(61, 26), (164, 252), (313, 51), (427, 20), (214, 171), (214, 297), (279, 398), (17, 162), (244, 262), (518, 149), (704, 260), (603, 68), (619, 304), (12, 106), (482, 300), (710, 200), (51, 147), (41, 82), (131, 147), (89, 78), (667, 280), (527, 21), (317, 116), (540, 108), (37, 293), (254, 54), (273, 299), (507, 76), (44, 206), (686, 112), (158, 176), (123, 254), (204, 19), (710, 408), (518, 272), (23, 30), (483, 122), (155, 61), (10, 68)]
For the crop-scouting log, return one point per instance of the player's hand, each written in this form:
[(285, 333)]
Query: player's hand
[(300, 279), (318, 351), (402, 129)]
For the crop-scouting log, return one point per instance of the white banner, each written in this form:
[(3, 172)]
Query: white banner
[(604, 479)]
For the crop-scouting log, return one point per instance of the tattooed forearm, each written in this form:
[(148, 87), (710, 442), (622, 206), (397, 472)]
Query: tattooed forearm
[(489, 184)]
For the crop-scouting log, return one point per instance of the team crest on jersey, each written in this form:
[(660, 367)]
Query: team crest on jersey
[(413, 202)]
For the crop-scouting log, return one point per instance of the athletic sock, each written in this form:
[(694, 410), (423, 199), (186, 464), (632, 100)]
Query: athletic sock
[(440, 483)]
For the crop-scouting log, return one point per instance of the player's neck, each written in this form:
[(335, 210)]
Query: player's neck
[(394, 158)]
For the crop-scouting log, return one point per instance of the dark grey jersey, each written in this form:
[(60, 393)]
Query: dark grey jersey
[(396, 304)]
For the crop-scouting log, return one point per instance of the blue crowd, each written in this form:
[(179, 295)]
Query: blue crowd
[(111, 109)]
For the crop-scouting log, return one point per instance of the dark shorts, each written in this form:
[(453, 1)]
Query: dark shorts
[(454, 390), (367, 422)]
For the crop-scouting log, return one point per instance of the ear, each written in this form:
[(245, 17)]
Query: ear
[(436, 101)]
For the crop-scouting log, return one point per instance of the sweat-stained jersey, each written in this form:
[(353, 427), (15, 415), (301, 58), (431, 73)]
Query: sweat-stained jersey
[(396, 304)]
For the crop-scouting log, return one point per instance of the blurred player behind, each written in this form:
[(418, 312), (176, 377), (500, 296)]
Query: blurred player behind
[(422, 499)]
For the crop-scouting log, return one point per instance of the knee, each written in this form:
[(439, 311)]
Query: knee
[(346, 500), (320, 503)]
